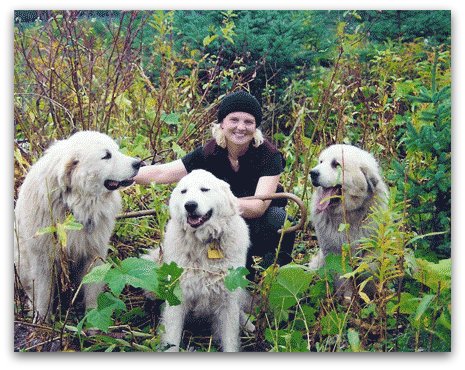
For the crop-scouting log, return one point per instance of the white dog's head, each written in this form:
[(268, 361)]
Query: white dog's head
[(90, 163), (348, 170), (201, 199)]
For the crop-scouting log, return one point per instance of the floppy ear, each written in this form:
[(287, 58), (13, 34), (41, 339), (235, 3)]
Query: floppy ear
[(371, 176), (65, 177), (173, 206), (232, 207)]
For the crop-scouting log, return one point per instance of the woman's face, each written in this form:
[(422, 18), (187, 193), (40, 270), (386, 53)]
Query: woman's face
[(239, 128)]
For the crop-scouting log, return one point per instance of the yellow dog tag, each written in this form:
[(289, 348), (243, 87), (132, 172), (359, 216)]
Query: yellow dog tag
[(213, 250)]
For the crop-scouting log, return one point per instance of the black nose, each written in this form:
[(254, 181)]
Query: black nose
[(314, 174), (138, 164), (191, 206)]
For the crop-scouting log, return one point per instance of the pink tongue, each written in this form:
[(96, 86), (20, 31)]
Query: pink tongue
[(194, 221), (323, 201)]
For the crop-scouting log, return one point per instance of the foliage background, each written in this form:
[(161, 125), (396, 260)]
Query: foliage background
[(369, 78)]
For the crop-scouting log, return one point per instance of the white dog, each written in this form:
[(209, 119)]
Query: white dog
[(206, 236), (78, 176), (349, 183)]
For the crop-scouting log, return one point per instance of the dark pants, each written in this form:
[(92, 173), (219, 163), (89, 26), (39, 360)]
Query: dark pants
[(265, 238)]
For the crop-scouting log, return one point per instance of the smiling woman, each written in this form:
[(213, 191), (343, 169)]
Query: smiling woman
[(239, 155), (238, 129)]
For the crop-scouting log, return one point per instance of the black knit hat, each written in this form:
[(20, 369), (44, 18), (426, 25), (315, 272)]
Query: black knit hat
[(240, 101)]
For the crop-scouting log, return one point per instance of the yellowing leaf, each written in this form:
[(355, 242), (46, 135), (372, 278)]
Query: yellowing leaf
[(365, 297), (61, 233), (45, 230), (209, 39)]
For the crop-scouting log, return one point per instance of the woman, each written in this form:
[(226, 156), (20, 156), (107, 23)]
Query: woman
[(239, 155)]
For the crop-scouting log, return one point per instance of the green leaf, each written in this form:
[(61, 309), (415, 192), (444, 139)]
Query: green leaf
[(332, 323), (424, 236), (236, 278), (364, 266), (354, 340), (318, 290), (180, 152), (140, 273), (168, 278), (122, 102), (433, 275), (334, 263), (170, 119), (116, 281), (408, 303), (423, 306), (308, 314), (137, 272), (286, 340), (229, 38), (291, 281), (97, 274), (101, 317), (107, 299), (139, 267), (306, 141), (445, 320), (150, 114)]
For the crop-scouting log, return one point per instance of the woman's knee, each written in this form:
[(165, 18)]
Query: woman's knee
[(274, 218), (264, 233)]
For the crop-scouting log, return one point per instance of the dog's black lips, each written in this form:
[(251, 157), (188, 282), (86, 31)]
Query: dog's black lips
[(195, 220), (113, 184)]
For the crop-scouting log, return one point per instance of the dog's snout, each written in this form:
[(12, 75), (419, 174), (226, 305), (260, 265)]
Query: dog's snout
[(191, 206), (314, 174), (138, 164)]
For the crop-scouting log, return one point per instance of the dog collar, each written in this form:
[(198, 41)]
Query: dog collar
[(214, 252)]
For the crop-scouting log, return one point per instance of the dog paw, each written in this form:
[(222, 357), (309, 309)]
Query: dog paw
[(317, 262), (170, 348)]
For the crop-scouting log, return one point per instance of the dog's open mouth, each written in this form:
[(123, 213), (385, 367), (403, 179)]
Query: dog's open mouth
[(329, 196), (113, 184), (195, 220)]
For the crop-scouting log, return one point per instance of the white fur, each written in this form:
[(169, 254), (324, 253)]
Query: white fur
[(202, 284), (68, 179), (362, 186)]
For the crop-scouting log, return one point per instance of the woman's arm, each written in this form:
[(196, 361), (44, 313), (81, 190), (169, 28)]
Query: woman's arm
[(161, 173), (256, 208)]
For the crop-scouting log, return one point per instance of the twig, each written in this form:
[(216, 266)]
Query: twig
[(293, 197), (41, 344)]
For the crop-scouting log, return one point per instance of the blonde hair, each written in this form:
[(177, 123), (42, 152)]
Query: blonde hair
[(220, 139)]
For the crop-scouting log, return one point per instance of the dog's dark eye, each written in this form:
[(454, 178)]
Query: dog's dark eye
[(335, 164), (183, 191), (107, 155), (204, 189)]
